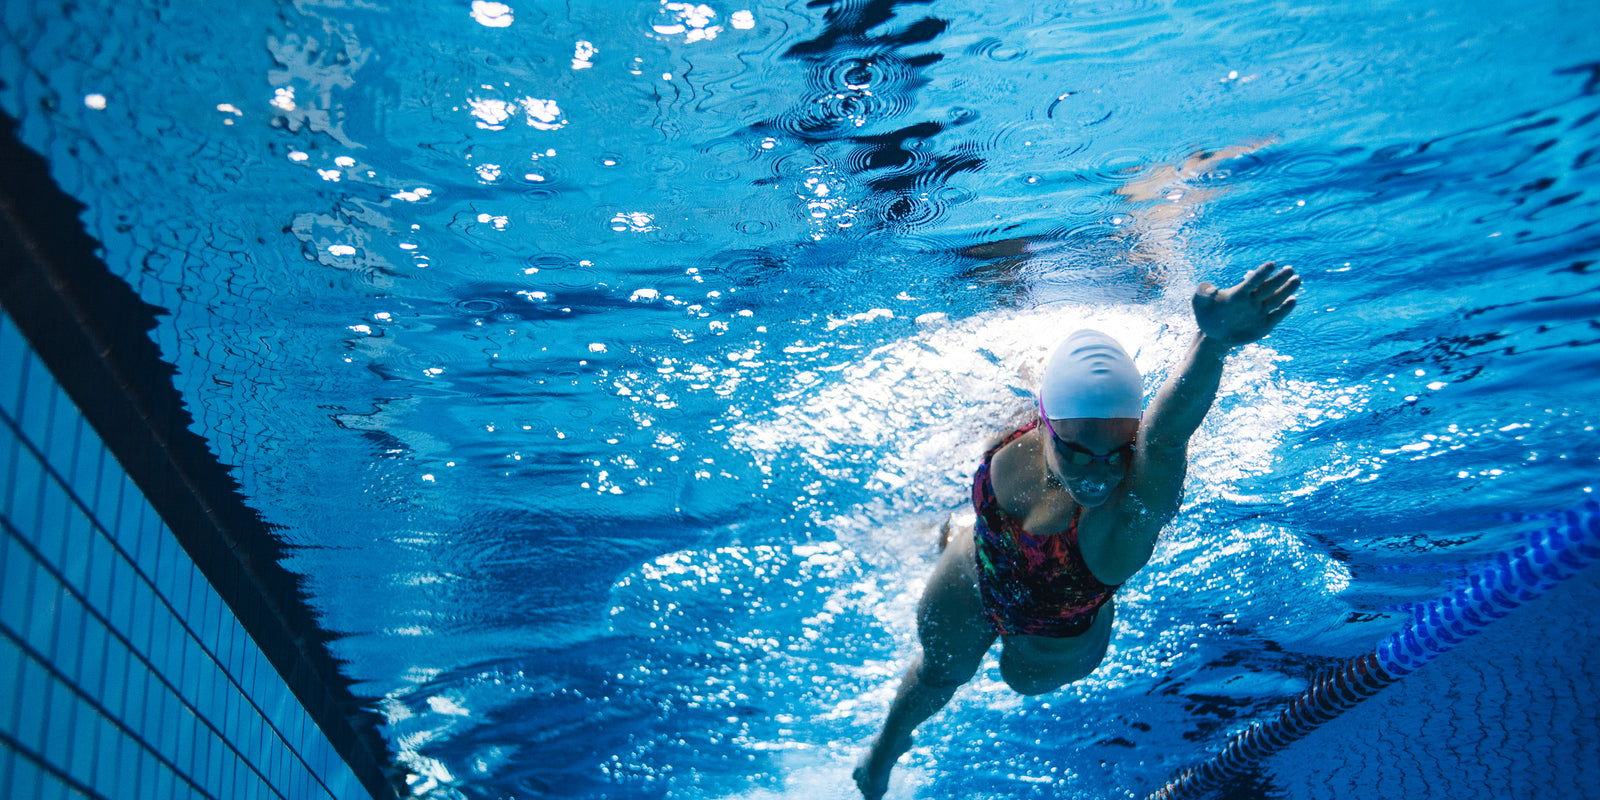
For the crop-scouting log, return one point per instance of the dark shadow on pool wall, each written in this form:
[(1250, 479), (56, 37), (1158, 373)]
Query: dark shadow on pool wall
[(128, 673)]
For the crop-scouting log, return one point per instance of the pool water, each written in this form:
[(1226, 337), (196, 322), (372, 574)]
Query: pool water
[(611, 365)]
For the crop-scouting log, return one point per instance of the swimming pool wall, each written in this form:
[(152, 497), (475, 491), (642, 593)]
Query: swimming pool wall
[(150, 645)]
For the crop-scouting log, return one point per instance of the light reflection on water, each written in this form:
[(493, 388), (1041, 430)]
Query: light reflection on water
[(617, 362)]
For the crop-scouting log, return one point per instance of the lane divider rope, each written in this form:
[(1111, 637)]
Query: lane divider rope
[(1492, 591)]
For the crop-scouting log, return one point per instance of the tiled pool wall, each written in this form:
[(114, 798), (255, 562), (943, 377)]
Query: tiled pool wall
[(125, 673)]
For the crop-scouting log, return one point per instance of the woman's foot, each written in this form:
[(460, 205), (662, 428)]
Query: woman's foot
[(872, 771)]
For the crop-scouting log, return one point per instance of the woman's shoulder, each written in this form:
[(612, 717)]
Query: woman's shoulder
[(1021, 420), (1015, 472)]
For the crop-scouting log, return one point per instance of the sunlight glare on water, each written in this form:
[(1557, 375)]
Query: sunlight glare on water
[(609, 367)]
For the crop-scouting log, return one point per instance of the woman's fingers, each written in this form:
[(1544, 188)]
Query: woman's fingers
[(1274, 282), (1276, 315), (1282, 293), (1253, 280)]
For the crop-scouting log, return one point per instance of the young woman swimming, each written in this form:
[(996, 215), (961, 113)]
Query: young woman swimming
[(1068, 507)]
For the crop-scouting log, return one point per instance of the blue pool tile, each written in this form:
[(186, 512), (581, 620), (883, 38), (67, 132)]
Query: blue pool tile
[(163, 660), (198, 767), (142, 606), (66, 638), (214, 768), (14, 351), (273, 765), (201, 614), (113, 600), (130, 514), (17, 399), (46, 599), (193, 683), (54, 507), (15, 593), (98, 474), (92, 657), (72, 433), (255, 785), (220, 772), (106, 490), (11, 661), (86, 746), (208, 761), (247, 675), (158, 724), (31, 708), (86, 462), (33, 405), (110, 766), (216, 612), (302, 734), (216, 691), (228, 647), (248, 737), (60, 719), (79, 532), (186, 596), (277, 706), (135, 520), (10, 450), (51, 788), (167, 565), (222, 714), (182, 724), (166, 783), (189, 588), (19, 465), (102, 561), (114, 688), (260, 789), (65, 425), (125, 687), (140, 710), (6, 757), (194, 611), (25, 499), (38, 403), (150, 534), (25, 778)]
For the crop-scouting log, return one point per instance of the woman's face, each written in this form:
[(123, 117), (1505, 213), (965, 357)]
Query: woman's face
[(1090, 456)]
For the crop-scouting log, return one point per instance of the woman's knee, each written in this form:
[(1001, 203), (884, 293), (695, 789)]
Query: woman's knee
[(945, 671)]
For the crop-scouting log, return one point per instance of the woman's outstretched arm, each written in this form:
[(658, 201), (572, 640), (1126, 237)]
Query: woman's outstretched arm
[(1227, 318)]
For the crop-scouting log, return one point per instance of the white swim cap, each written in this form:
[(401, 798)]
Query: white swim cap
[(1090, 376)]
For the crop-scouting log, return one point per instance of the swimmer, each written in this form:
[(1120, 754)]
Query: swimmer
[(1068, 507)]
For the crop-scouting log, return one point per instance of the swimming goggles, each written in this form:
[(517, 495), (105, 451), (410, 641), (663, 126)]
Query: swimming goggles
[(1078, 455)]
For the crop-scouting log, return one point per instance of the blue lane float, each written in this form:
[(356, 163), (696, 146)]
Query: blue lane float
[(1492, 591)]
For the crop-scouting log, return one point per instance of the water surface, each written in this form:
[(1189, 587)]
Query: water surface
[(611, 364)]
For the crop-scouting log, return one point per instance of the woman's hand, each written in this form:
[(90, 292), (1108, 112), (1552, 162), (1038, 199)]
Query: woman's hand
[(1244, 313)]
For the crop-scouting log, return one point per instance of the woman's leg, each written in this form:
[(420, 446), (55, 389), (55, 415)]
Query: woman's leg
[(954, 638)]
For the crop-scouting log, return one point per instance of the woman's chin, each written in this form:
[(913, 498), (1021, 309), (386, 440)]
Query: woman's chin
[(1090, 495)]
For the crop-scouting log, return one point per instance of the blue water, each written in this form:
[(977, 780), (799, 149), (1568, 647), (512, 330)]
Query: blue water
[(611, 364)]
